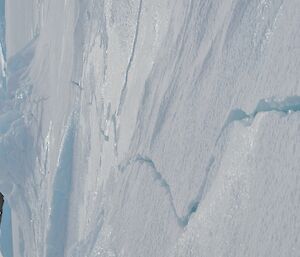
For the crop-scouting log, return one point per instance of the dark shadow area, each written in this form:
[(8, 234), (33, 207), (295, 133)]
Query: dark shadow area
[(5, 228)]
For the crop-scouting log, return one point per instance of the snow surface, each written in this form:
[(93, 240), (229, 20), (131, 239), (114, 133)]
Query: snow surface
[(151, 128)]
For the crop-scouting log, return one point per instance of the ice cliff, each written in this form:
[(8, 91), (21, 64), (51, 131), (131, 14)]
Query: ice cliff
[(151, 128)]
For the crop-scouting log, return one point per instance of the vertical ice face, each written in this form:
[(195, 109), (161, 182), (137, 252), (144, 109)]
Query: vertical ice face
[(6, 232), (150, 128)]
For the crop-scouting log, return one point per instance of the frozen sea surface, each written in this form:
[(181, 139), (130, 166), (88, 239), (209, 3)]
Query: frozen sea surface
[(150, 128)]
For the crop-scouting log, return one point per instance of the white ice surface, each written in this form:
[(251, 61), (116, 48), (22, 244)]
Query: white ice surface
[(152, 128)]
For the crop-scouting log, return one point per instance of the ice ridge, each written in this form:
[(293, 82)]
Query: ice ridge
[(289, 104)]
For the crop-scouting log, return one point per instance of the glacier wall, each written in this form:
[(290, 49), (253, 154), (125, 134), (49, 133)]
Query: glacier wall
[(151, 128)]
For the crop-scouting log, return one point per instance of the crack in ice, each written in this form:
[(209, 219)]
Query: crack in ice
[(289, 104), (124, 88), (193, 205), (157, 176)]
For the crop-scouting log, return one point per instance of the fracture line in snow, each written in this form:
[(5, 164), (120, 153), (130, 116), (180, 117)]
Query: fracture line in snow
[(157, 176), (124, 89), (181, 220), (290, 104)]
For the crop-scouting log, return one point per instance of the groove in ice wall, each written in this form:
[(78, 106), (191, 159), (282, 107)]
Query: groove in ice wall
[(57, 233)]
